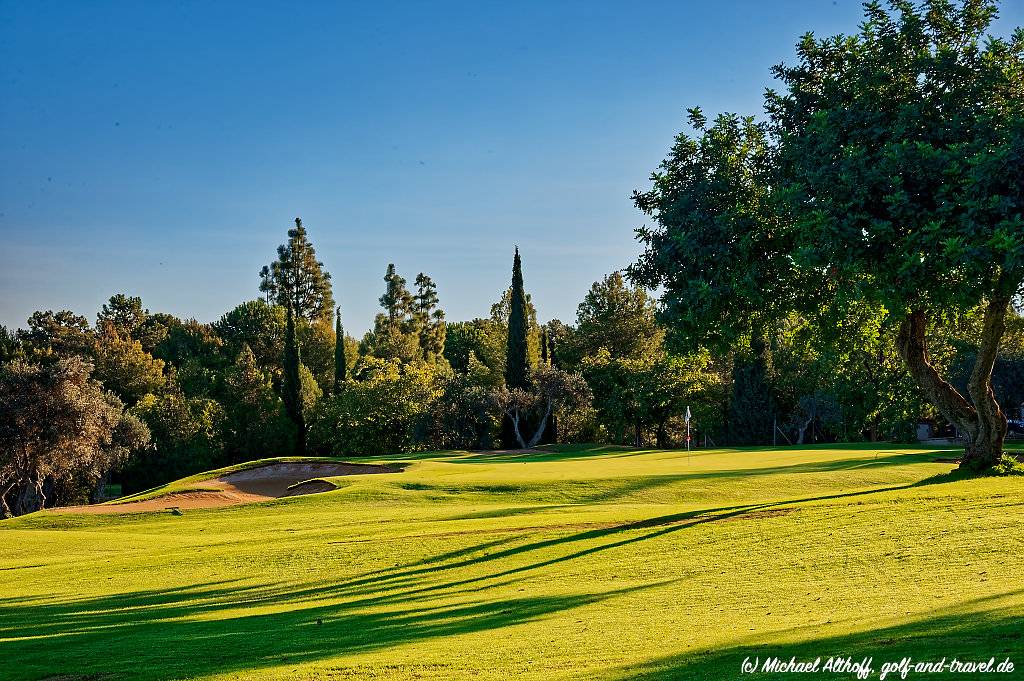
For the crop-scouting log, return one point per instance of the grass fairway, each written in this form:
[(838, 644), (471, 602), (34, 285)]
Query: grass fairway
[(580, 563)]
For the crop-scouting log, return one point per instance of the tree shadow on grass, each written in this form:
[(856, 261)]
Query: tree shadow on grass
[(973, 631), (216, 628)]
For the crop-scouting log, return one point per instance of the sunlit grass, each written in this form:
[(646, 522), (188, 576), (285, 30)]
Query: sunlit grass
[(575, 563)]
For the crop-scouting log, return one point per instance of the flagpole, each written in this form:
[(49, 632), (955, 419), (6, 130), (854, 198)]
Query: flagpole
[(688, 434)]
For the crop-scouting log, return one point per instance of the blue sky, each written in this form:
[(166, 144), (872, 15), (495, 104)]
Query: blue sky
[(163, 149)]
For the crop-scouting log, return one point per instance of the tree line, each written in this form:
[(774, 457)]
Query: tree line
[(840, 271)]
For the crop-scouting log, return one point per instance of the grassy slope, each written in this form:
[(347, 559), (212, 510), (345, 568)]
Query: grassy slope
[(581, 563)]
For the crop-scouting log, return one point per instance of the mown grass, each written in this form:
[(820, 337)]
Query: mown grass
[(574, 563)]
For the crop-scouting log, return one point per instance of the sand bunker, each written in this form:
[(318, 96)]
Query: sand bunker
[(245, 487)]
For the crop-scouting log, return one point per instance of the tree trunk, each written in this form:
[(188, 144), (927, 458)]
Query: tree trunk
[(540, 429), (661, 436), (987, 446), (515, 426), (983, 423)]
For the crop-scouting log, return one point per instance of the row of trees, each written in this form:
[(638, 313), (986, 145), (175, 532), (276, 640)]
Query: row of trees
[(882, 191), (837, 271)]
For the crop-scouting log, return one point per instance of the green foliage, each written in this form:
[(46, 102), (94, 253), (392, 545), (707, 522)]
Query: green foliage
[(196, 353), (412, 327), (1008, 465), (58, 427), (428, 318), (616, 317), (189, 436), (715, 246), (53, 335), (340, 357), (297, 279), (124, 367), (292, 385), (258, 325), (517, 358), (255, 423), (384, 411)]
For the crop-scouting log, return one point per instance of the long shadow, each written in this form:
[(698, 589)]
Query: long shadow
[(185, 633), (973, 631), (411, 576)]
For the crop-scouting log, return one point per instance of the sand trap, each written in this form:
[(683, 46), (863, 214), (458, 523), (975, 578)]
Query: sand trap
[(272, 481)]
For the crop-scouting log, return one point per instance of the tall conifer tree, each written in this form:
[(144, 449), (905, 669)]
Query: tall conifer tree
[(298, 279), (340, 361), (517, 358), (517, 365), (292, 386)]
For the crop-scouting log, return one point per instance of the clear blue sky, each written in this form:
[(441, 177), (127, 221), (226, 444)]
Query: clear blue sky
[(162, 149)]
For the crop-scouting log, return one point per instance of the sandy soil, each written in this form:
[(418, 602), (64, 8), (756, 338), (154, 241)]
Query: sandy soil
[(245, 487)]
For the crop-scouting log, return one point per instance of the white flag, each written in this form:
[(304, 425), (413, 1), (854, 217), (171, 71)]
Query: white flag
[(687, 414)]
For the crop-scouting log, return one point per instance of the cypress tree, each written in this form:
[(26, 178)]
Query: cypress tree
[(544, 346), (340, 361), (517, 365), (517, 359), (292, 386)]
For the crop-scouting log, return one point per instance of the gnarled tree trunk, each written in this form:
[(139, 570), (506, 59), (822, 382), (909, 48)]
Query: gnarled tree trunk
[(980, 420)]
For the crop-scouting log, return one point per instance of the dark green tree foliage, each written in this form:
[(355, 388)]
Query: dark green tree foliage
[(291, 388), (428, 318), (53, 335), (255, 423), (752, 411), (714, 249), (900, 157), (891, 176), (188, 433), (397, 301), (340, 361), (258, 325), (517, 357), (298, 279)]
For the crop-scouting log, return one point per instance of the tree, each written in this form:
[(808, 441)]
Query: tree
[(394, 334), (256, 324), (396, 301), (53, 335), (517, 360), (291, 389), (517, 357), (429, 318), (298, 279), (899, 149), (888, 174), (613, 316), (340, 361), (385, 411), (549, 389), (124, 367), (188, 437), (57, 423), (255, 423)]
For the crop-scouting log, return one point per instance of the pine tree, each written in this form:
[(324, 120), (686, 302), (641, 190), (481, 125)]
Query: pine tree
[(297, 279), (428, 318), (292, 385), (396, 301), (340, 361)]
